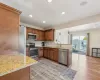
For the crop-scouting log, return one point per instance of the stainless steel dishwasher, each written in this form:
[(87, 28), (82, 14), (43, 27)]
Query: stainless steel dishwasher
[(63, 56)]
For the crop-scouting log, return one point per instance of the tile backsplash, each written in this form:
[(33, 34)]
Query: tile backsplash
[(50, 43), (37, 43)]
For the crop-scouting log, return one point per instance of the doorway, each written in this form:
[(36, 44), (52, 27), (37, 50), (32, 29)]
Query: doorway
[(79, 44)]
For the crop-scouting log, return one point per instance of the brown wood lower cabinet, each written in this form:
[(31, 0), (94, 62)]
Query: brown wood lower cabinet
[(45, 54), (48, 54), (55, 57), (40, 52), (51, 53), (23, 74)]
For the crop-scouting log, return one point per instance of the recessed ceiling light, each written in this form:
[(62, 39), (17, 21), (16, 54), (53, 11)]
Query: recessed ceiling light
[(49, 1), (83, 3), (30, 16), (44, 21), (63, 13)]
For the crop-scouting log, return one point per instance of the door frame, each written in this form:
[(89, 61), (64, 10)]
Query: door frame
[(88, 43)]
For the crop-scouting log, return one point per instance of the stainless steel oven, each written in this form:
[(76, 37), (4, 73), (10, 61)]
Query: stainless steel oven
[(34, 52), (32, 36)]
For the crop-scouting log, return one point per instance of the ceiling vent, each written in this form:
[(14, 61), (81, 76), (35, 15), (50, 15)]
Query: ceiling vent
[(83, 3)]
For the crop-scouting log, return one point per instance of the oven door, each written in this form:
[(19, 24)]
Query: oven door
[(34, 52)]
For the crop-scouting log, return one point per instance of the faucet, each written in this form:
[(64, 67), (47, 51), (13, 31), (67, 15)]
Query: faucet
[(58, 43)]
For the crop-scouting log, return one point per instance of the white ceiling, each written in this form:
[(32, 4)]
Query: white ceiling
[(85, 27), (41, 10)]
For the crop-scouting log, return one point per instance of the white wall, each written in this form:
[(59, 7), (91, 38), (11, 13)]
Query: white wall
[(95, 39), (32, 26)]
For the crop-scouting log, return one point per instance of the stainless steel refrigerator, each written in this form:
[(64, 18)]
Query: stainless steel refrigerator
[(22, 40)]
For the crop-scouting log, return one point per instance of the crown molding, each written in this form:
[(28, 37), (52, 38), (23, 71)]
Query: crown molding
[(4, 6)]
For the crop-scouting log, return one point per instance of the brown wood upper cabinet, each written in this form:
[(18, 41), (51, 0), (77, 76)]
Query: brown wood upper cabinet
[(49, 35), (39, 33), (28, 30), (9, 28)]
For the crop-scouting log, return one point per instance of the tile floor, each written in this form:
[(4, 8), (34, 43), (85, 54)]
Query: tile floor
[(49, 70)]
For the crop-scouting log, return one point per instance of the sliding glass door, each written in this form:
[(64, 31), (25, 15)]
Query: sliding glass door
[(79, 44)]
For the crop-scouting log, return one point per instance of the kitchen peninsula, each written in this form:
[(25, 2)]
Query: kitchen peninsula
[(13, 64)]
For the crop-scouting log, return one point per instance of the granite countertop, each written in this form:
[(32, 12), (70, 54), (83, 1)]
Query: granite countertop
[(11, 63), (55, 47)]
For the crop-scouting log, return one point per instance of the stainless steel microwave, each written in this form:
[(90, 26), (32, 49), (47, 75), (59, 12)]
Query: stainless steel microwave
[(32, 36)]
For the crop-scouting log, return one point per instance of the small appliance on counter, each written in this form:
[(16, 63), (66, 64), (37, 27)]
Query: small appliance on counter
[(43, 44)]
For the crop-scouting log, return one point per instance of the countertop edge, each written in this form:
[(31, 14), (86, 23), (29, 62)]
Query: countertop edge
[(17, 69), (51, 47)]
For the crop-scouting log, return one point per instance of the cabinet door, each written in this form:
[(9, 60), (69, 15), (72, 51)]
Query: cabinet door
[(55, 55), (49, 35), (33, 31), (26, 34), (41, 35), (37, 34), (28, 30), (46, 35), (40, 52), (46, 52), (51, 54)]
